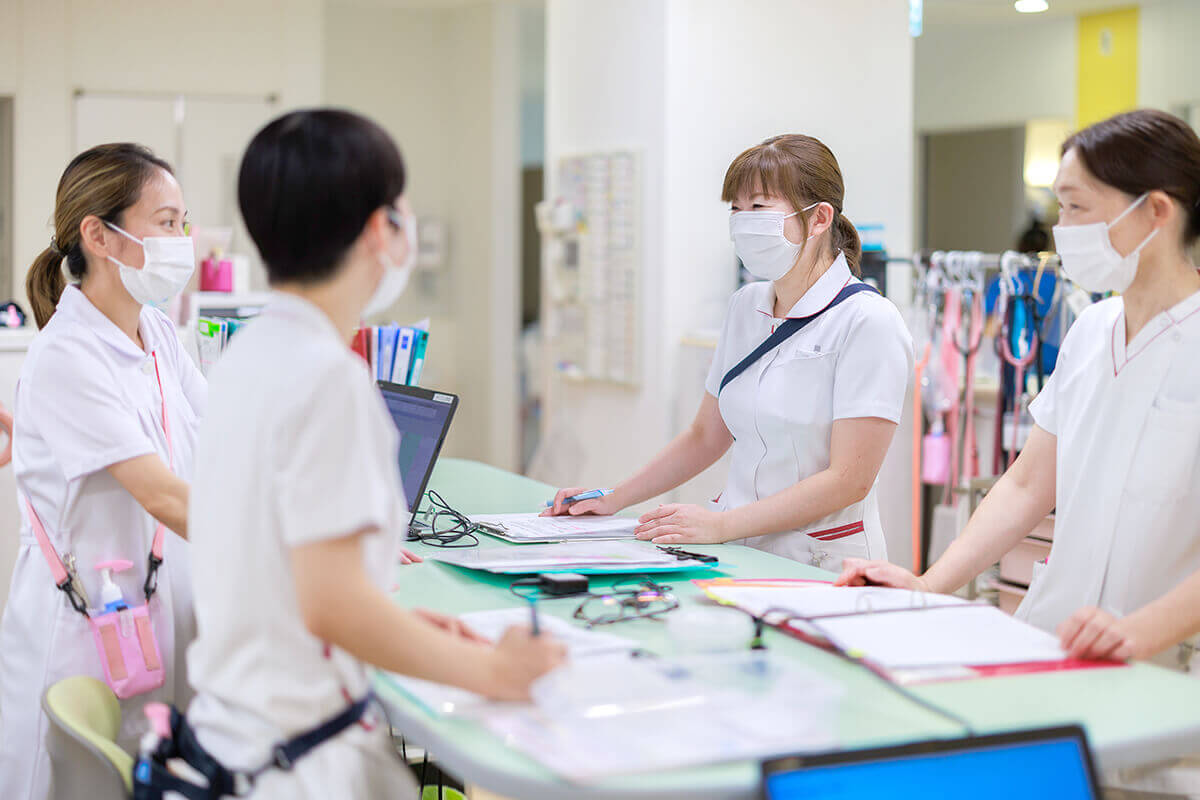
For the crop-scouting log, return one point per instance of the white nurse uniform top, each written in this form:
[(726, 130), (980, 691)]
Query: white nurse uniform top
[(853, 361), (1127, 421), (88, 398), (297, 447)]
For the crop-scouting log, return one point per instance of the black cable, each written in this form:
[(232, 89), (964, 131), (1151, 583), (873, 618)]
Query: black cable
[(448, 527), (907, 694)]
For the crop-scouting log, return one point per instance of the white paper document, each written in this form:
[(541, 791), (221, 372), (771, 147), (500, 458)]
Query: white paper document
[(899, 629), (534, 528), (615, 556), (580, 642), (604, 717), (818, 600), (967, 635)]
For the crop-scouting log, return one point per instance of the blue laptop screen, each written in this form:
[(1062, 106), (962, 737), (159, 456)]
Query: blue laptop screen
[(1055, 768), (421, 423)]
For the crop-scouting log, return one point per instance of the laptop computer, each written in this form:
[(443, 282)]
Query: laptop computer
[(423, 418), (1046, 763)]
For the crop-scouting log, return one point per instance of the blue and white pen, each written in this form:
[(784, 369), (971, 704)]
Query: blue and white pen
[(576, 498)]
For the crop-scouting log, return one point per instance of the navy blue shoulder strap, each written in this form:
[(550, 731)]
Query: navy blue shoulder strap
[(789, 328)]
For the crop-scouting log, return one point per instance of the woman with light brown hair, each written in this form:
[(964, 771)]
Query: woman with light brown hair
[(807, 385), (106, 414)]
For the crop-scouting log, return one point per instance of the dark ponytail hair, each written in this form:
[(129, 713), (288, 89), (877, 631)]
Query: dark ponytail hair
[(1140, 151), (804, 171), (101, 182)]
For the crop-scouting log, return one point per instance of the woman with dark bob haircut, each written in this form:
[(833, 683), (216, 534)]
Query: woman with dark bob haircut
[(297, 503)]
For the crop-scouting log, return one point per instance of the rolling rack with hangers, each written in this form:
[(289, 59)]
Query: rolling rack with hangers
[(1027, 321)]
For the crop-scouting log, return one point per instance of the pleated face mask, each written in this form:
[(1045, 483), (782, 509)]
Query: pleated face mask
[(167, 268), (759, 242), (1089, 258)]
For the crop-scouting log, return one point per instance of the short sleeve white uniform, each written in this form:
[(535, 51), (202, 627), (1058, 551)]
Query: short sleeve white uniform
[(88, 398), (1127, 422), (854, 361), (1127, 521), (297, 447)]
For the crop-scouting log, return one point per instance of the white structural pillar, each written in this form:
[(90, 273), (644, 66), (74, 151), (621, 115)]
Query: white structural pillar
[(689, 84)]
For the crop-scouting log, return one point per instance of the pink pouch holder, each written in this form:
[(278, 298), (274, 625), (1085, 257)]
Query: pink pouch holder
[(935, 458), (128, 651), (127, 646)]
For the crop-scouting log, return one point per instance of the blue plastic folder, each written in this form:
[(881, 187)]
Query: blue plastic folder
[(420, 340), (404, 353), (389, 335)]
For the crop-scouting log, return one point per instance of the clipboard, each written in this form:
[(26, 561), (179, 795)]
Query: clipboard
[(820, 630)]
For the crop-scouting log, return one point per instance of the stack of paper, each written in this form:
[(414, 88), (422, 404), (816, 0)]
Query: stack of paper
[(811, 599), (528, 528), (611, 557)]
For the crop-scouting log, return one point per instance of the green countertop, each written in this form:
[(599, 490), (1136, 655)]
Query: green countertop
[(1133, 715)]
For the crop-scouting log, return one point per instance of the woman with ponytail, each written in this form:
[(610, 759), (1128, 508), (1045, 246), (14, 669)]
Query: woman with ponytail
[(107, 408), (807, 385), (1115, 451)]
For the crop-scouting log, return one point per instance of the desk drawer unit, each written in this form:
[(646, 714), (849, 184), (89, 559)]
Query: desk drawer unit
[(1016, 566), (1008, 596)]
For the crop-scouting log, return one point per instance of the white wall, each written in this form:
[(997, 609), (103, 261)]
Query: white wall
[(605, 90), (978, 76), (1169, 54), (691, 83)]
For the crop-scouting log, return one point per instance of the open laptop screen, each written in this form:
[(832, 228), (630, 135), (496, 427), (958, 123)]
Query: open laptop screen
[(1051, 763), (423, 418)]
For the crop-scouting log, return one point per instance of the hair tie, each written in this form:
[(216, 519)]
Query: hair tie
[(54, 246)]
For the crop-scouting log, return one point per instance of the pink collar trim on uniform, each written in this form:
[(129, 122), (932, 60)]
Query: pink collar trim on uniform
[(1185, 308)]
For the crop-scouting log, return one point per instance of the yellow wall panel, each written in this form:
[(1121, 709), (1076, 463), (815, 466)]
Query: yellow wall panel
[(1108, 65)]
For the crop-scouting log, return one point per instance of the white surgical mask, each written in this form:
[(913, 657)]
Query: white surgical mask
[(167, 268), (1088, 256), (759, 242), (395, 278)]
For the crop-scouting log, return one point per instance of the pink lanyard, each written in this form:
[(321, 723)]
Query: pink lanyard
[(63, 579), (951, 318)]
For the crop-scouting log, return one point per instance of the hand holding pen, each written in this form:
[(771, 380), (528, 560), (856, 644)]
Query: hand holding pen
[(577, 501)]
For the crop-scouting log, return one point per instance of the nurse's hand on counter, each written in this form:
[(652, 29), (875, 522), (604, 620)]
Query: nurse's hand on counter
[(451, 625), (601, 506), (1094, 634), (682, 524), (861, 572), (520, 658), (409, 557)]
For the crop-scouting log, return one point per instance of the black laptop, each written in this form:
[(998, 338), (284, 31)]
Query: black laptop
[(423, 418)]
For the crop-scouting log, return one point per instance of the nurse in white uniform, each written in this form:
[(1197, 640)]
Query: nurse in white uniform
[(810, 421), (297, 508), (1116, 448), (90, 451)]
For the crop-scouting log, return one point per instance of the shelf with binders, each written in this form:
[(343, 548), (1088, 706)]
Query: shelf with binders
[(395, 353)]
